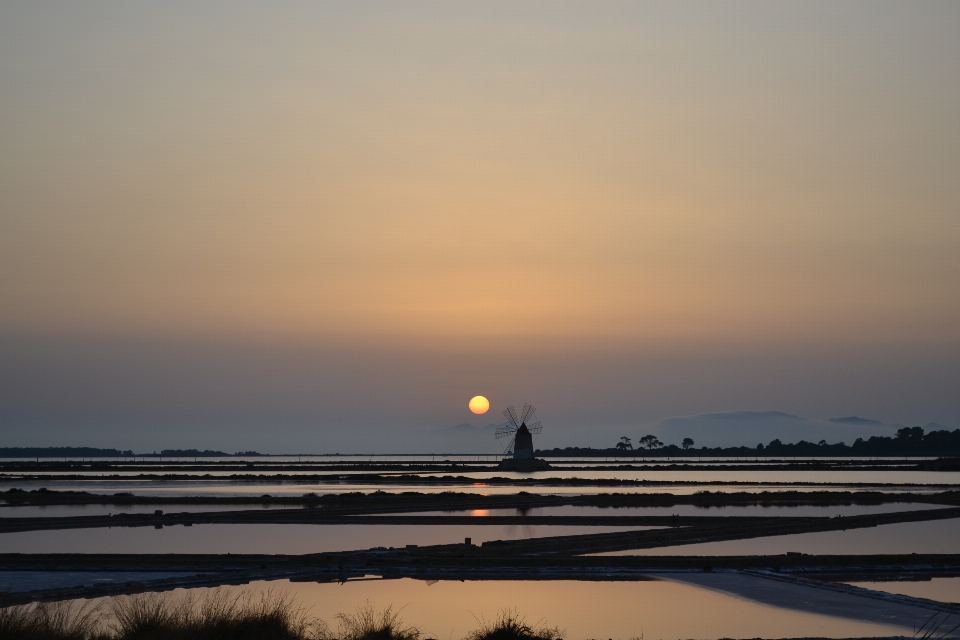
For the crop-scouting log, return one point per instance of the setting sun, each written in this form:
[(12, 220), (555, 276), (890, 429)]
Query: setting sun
[(479, 405)]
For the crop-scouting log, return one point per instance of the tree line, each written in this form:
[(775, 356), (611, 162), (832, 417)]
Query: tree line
[(908, 441)]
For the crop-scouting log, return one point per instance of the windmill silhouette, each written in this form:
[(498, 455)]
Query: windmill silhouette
[(520, 433)]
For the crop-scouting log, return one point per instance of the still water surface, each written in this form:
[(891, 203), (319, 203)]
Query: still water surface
[(434, 458), (68, 510), (753, 510), (268, 538), (942, 589), (59, 511), (936, 536), (621, 610), (213, 488), (467, 477)]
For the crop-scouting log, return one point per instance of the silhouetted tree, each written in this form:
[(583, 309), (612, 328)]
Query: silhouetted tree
[(650, 442), (624, 443), (687, 443), (910, 438)]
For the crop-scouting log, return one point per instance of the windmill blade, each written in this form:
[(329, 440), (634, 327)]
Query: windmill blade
[(509, 448), (504, 431), (528, 411), (511, 415), (535, 428)]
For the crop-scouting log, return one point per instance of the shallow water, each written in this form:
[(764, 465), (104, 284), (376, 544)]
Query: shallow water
[(68, 510), (693, 510), (942, 589), (15, 581), (896, 476), (432, 458), (269, 538), (59, 511), (936, 536), (214, 488), (621, 610), (466, 477)]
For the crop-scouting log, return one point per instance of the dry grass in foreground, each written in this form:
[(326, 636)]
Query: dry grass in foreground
[(510, 626), (222, 616), (217, 616)]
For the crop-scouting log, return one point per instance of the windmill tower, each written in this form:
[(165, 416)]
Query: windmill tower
[(521, 439)]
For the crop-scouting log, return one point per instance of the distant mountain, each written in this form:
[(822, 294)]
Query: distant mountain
[(466, 438), (854, 420), (61, 452), (467, 428), (94, 452), (750, 428)]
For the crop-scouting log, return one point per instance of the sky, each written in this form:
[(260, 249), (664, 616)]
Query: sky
[(325, 226)]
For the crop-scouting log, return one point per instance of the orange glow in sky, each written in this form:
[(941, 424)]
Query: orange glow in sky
[(302, 223)]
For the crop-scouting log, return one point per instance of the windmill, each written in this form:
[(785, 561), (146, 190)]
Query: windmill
[(520, 433)]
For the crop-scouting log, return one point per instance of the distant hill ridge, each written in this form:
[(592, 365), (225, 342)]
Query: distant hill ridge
[(749, 428), (94, 452), (61, 452), (466, 427), (858, 421), (733, 430)]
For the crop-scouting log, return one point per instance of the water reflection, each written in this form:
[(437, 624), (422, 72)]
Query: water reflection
[(67, 510), (268, 538), (179, 488), (33, 511), (420, 459), (934, 536), (477, 481), (751, 510), (622, 610), (940, 589)]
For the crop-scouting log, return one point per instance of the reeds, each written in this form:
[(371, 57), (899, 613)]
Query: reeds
[(509, 625), (226, 615), (938, 626), (50, 621), (367, 624), (218, 616)]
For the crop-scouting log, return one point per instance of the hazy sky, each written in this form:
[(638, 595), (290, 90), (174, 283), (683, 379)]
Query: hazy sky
[(300, 226)]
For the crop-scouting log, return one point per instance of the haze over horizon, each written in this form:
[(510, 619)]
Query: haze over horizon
[(325, 227)]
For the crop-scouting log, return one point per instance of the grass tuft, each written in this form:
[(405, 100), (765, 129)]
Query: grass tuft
[(217, 616), (50, 620), (367, 624), (510, 626), (227, 615), (936, 627)]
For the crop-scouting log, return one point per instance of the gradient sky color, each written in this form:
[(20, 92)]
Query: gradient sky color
[(302, 226)]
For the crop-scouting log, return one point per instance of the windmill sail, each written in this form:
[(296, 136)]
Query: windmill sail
[(520, 433), (528, 411), (503, 431)]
